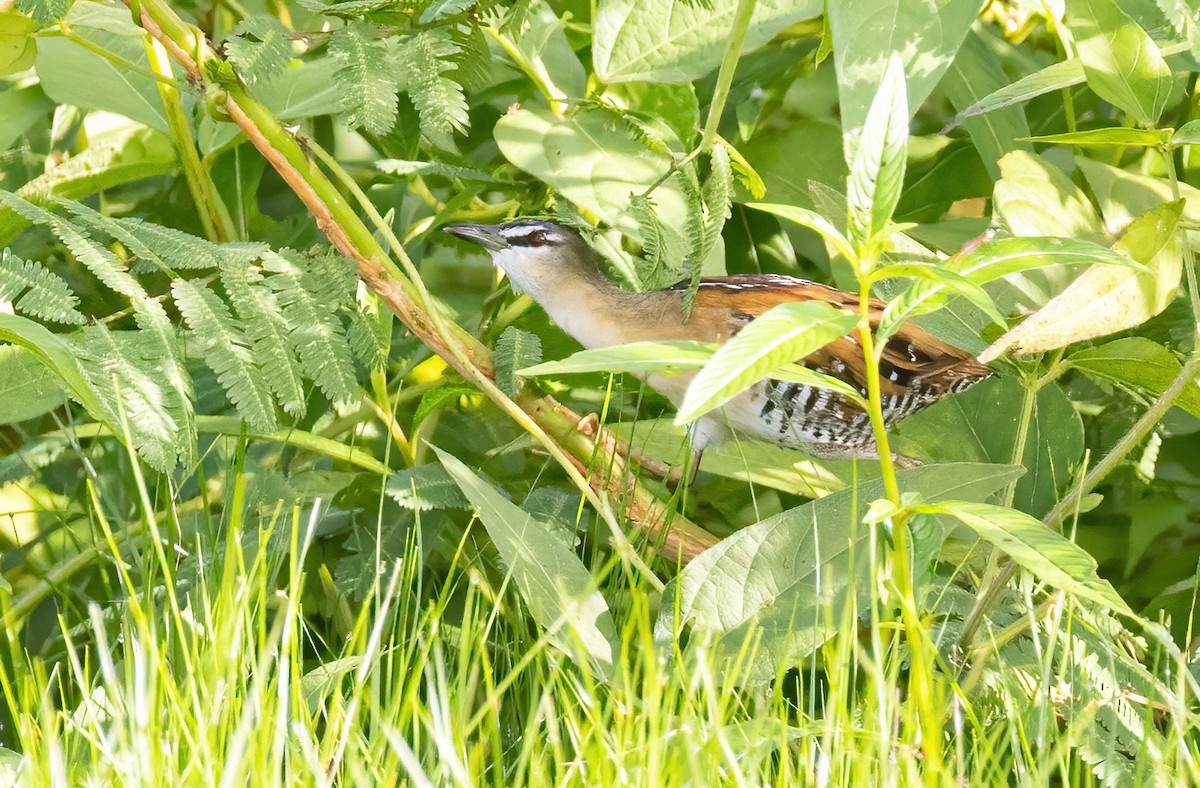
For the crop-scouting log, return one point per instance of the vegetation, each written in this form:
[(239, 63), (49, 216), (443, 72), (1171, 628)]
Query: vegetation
[(293, 488)]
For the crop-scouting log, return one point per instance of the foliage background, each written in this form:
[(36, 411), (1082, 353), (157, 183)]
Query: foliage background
[(231, 546)]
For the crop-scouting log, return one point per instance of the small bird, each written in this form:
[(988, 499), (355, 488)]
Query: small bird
[(556, 267)]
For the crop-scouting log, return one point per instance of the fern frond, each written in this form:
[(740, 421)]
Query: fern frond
[(261, 314), (126, 375), (422, 62), (162, 248), (367, 78), (717, 196), (102, 263), (226, 350), (314, 329), (653, 269), (34, 290), (260, 48)]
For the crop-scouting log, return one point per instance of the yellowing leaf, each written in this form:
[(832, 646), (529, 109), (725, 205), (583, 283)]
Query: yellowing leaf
[(1106, 299)]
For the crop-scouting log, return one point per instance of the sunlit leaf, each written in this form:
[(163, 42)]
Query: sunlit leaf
[(877, 173)]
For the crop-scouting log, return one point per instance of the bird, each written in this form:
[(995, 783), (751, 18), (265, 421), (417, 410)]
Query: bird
[(558, 269)]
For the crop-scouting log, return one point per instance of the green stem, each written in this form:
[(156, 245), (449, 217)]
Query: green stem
[(214, 216)]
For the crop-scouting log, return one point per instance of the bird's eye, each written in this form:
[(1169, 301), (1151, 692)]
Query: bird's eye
[(535, 238)]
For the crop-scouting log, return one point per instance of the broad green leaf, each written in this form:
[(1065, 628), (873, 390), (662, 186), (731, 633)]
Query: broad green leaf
[(1136, 362), (558, 589), (877, 173), (1124, 196), (1049, 555), (664, 358), (678, 40), (866, 33), (1034, 197), (594, 158), (810, 219), (28, 388), (21, 109), (109, 85), (18, 47), (543, 45), (1106, 299), (1122, 63), (975, 73), (982, 425), (1147, 138), (1187, 134), (56, 354), (781, 335), (795, 154), (785, 580)]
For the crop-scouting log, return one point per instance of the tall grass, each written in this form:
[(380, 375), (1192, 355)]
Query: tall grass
[(212, 665)]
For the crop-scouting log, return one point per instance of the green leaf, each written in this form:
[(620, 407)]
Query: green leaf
[(982, 425), (1124, 196), (1188, 134), (664, 358), (118, 159), (780, 584), (560, 150), (867, 33), (28, 388), (22, 108), (435, 398), (1047, 554), (110, 84), (992, 260), (975, 73), (1136, 362), (1057, 76), (558, 589), (679, 40), (310, 290), (421, 66), (424, 488), (227, 351), (18, 47), (547, 53), (1106, 299), (260, 47), (812, 220), (780, 336), (515, 350), (31, 288), (793, 158), (877, 174), (1122, 63), (1146, 138), (1034, 197), (944, 278), (132, 378), (366, 77)]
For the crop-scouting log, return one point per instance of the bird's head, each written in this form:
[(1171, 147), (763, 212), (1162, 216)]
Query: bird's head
[(535, 254)]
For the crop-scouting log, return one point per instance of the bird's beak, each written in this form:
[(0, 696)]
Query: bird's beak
[(483, 234)]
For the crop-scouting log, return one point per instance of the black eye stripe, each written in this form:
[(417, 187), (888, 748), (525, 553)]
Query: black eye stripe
[(530, 238)]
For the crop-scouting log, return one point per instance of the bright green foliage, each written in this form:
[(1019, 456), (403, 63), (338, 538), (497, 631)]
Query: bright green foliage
[(31, 289), (260, 48), (366, 77), (219, 497), (421, 64), (515, 350)]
